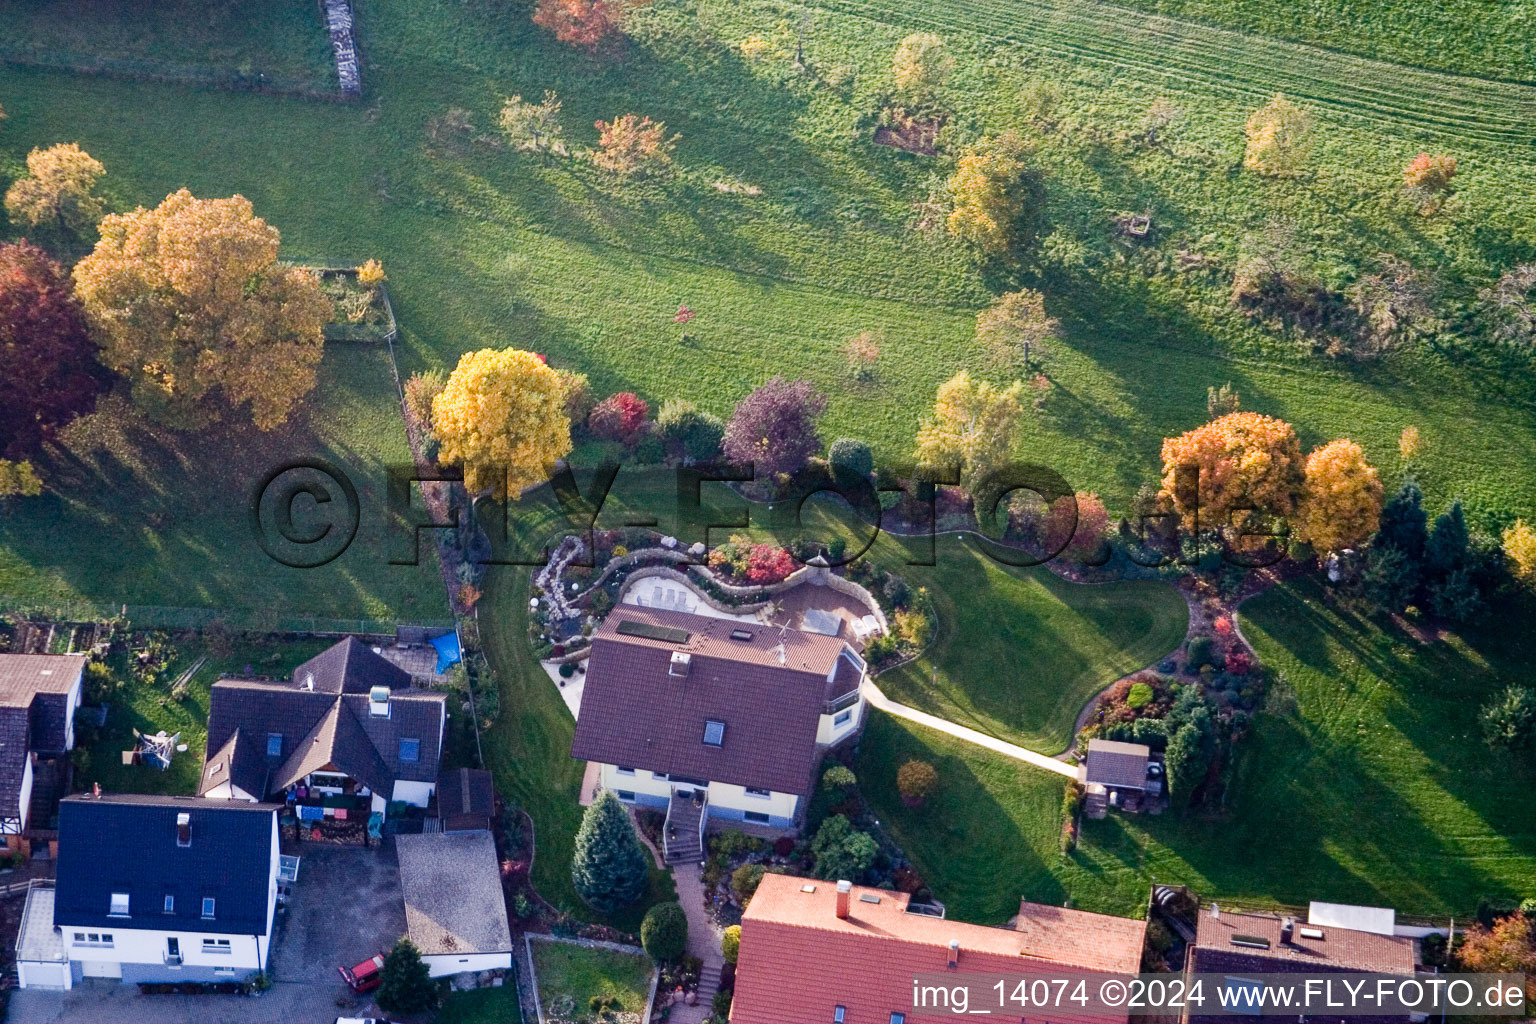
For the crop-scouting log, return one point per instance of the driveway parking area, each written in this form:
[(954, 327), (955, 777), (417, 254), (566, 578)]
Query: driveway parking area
[(345, 907)]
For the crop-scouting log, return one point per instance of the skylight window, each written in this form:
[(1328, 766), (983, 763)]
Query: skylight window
[(714, 733), (170, 904), (839, 1013), (274, 744), (119, 904), (410, 750), (742, 634), (207, 908)]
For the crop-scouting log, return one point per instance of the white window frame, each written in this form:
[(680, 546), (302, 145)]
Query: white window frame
[(754, 816), (759, 794), (210, 904), (623, 770), (842, 718), (219, 946), (624, 795), (119, 905)]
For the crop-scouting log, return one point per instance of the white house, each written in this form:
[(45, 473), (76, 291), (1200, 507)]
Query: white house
[(154, 889), (39, 695), (714, 719), (349, 732), (455, 911)]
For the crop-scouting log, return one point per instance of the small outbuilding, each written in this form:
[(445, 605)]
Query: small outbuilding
[(1116, 774), (466, 800), (455, 911)]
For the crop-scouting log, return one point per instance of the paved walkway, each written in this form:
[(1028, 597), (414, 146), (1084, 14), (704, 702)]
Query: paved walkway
[(703, 941), (877, 699)]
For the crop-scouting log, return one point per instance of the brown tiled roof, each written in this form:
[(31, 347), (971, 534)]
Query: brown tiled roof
[(798, 960), (1111, 763), (322, 726), (636, 713), (466, 798), (34, 692), (1340, 949), (24, 676)]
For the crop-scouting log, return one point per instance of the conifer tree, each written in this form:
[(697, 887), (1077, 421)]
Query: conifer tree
[(608, 868)]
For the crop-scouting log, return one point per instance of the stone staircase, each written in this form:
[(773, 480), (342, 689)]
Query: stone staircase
[(709, 984), (50, 783), (681, 842)]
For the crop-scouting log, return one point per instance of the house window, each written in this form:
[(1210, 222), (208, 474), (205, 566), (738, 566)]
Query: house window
[(838, 1013), (843, 718), (625, 795), (756, 817), (761, 793), (119, 904), (170, 904), (274, 744), (224, 972), (410, 750), (625, 771), (93, 939), (207, 908), (215, 945), (714, 733)]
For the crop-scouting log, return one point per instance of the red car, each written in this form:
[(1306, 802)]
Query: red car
[(366, 976)]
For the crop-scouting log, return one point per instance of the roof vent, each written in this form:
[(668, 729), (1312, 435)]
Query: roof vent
[(378, 702), (779, 650), (741, 634), (183, 829), (679, 666), (868, 897), (309, 680), (807, 888), (1287, 930)]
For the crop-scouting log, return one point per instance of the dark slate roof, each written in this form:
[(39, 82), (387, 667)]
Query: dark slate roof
[(1111, 763), (466, 798), (128, 843), (24, 676), (14, 731), (350, 667), (322, 726), (635, 713), (34, 700)]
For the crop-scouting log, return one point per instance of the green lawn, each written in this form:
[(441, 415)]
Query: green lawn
[(277, 38), (482, 1006), (1365, 781), (150, 708), (579, 973)]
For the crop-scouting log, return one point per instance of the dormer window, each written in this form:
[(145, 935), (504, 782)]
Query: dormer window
[(207, 908), (274, 744), (898, 1018), (170, 904), (410, 750), (119, 907), (838, 1014), (714, 733)]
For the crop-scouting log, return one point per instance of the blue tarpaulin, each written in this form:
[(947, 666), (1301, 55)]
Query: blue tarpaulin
[(448, 654)]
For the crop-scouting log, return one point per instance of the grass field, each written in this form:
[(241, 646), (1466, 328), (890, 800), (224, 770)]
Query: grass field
[(482, 1006), (1365, 781), (579, 973), (276, 38)]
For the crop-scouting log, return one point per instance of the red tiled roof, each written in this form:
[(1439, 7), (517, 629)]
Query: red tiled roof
[(635, 712), (1340, 949), (799, 961)]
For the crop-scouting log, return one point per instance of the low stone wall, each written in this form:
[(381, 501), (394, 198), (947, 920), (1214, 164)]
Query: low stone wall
[(618, 947)]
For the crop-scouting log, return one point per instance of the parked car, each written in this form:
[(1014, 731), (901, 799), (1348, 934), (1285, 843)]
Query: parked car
[(366, 976)]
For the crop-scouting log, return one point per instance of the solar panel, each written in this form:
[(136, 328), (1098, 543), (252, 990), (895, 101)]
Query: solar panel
[(651, 631)]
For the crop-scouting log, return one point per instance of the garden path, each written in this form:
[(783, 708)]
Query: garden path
[(703, 942), (877, 699)]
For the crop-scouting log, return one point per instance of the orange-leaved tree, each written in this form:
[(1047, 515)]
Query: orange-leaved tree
[(502, 417), (631, 144), (990, 190), (585, 23), (189, 301), (1242, 461), (1341, 500)]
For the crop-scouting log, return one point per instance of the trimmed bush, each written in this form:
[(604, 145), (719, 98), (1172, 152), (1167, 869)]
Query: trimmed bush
[(852, 457), (745, 880), (1138, 695), (664, 932), (915, 780), (730, 943)]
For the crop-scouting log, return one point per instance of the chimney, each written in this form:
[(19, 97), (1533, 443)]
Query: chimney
[(309, 680), (183, 829), (1287, 929), (954, 953), (1215, 912), (844, 897), (680, 662)]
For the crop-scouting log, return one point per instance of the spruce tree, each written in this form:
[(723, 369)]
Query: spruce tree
[(1403, 521), (408, 986), (1446, 550), (608, 869)]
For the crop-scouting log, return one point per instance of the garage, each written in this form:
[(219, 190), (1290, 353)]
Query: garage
[(101, 969), (40, 958)]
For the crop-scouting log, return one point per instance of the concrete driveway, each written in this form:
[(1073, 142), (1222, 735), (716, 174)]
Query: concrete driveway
[(345, 907)]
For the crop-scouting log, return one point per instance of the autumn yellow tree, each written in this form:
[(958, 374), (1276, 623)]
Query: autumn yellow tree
[(1428, 179), (58, 190), (1341, 499), (502, 417), (631, 144), (19, 479), (1243, 460), (1279, 138), (1016, 327), (989, 191), (1409, 443), (188, 301), (1520, 551), (974, 424), (920, 66)]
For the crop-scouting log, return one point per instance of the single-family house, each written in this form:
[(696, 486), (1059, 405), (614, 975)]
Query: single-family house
[(348, 724), (455, 911), (813, 950), (466, 800), (714, 719), (155, 889), (1242, 943), (39, 695)]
